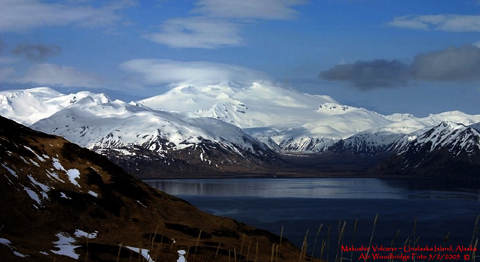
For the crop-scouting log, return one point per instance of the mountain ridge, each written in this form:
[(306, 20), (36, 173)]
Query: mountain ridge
[(446, 150), (237, 128), (138, 135)]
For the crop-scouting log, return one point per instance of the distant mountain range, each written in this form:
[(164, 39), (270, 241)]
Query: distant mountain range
[(446, 150), (226, 128)]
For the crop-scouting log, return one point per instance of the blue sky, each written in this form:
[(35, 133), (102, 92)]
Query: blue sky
[(408, 56)]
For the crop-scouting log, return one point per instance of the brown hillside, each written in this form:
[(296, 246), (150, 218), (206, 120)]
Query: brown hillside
[(40, 203)]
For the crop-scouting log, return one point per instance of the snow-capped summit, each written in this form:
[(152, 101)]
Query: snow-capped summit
[(122, 130), (452, 116), (30, 105), (448, 149), (258, 105), (98, 121), (401, 130), (280, 117), (457, 138), (295, 122)]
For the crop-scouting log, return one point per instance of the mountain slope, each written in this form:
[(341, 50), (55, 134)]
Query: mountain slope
[(151, 142), (258, 105), (385, 140), (30, 105), (191, 129), (288, 121), (63, 202), (446, 150), (283, 119)]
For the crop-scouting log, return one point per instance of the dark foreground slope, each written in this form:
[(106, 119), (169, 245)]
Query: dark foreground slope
[(60, 202)]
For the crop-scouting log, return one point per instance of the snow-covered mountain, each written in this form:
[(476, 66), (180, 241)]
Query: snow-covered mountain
[(138, 136), (30, 105), (285, 120), (456, 138), (281, 118), (384, 140), (448, 149), (258, 105), (218, 126), (294, 122)]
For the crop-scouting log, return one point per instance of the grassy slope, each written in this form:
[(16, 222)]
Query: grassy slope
[(126, 211)]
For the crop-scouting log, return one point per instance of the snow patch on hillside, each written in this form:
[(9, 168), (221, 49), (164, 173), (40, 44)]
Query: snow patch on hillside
[(73, 175), (65, 246), (8, 243)]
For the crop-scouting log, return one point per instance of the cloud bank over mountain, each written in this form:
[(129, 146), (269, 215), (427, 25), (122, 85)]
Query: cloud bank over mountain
[(154, 72)]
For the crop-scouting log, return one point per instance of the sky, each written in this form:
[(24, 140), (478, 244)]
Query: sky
[(390, 56)]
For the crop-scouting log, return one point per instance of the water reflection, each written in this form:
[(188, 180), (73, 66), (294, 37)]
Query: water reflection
[(337, 188), (299, 205)]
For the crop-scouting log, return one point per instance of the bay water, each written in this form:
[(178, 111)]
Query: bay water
[(413, 212)]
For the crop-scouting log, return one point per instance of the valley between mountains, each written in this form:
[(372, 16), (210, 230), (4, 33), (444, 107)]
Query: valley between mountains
[(251, 131)]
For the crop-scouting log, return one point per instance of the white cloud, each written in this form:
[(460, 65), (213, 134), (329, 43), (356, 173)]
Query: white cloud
[(26, 14), (197, 32), (54, 75), (265, 9), (154, 72), (443, 22), (218, 22)]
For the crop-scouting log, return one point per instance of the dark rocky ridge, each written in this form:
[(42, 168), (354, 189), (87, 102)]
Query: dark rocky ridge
[(218, 160)]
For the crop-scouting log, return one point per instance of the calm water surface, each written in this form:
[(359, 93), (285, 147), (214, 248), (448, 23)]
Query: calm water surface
[(336, 188), (305, 204)]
